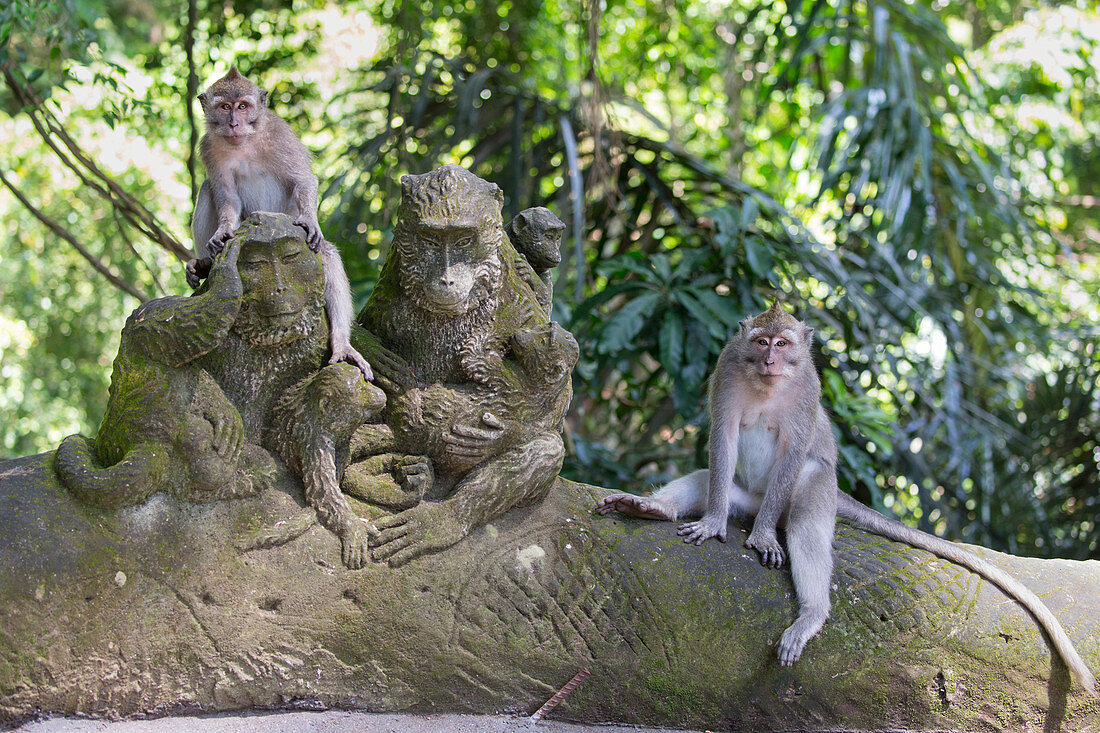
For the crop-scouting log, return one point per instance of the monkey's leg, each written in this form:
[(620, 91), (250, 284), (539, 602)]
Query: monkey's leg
[(686, 496), (810, 526), (390, 480), (203, 222), (682, 497), (143, 471), (518, 476)]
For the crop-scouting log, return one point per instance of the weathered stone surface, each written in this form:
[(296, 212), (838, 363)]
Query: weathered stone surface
[(153, 609)]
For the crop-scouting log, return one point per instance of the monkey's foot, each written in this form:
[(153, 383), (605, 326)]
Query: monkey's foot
[(767, 544), (347, 352), (699, 532), (414, 474), (312, 230), (634, 506), (196, 271), (797, 634)]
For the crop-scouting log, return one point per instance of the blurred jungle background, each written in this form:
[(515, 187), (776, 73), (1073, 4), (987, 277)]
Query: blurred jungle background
[(916, 179)]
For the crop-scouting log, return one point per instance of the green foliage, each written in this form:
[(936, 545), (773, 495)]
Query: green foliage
[(915, 180)]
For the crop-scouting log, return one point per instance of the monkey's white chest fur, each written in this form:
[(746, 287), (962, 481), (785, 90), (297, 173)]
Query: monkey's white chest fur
[(259, 189), (757, 445)]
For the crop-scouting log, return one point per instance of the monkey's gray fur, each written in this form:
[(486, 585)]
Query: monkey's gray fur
[(255, 162), (773, 456)]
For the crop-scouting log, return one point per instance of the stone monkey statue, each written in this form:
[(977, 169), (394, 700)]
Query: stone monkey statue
[(169, 427), (201, 383), (476, 375), (272, 366), (536, 235)]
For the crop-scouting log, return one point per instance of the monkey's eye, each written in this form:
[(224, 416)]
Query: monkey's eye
[(762, 342), (242, 105), (227, 106), (291, 256), (780, 343)]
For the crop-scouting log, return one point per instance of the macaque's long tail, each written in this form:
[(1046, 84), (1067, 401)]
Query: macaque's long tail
[(870, 520)]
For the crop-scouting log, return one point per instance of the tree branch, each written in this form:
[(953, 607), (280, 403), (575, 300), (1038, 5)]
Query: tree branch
[(132, 210), (63, 233)]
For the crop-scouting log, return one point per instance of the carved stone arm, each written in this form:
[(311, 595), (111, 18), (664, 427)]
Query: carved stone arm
[(179, 329)]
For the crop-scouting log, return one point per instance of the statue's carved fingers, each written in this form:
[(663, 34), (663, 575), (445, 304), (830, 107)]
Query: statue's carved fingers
[(228, 436), (355, 545), (418, 531)]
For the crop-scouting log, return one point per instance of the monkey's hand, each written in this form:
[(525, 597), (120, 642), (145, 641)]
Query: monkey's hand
[(347, 352), (696, 533), (228, 435), (481, 367), (355, 543), (469, 441), (313, 232), (414, 474), (767, 544), (414, 532)]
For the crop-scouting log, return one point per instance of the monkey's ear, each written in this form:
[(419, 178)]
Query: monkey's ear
[(808, 333), (744, 325), (520, 222), (263, 96), (202, 100)]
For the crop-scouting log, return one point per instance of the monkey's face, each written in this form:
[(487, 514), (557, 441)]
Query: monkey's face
[(536, 234), (773, 354), (232, 111), (284, 285), (450, 270)]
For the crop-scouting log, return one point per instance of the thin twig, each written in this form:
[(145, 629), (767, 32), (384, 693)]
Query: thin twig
[(560, 695), (51, 129), (60, 231)]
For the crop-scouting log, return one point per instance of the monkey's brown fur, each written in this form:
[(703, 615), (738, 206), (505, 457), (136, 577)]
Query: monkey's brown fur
[(772, 455), (255, 162)]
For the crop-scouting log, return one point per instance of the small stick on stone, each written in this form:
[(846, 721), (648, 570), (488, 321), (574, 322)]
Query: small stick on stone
[(553, 702)]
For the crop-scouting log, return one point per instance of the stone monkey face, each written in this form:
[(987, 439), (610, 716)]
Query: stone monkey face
[(284, 285), (449, 264), (536, 234)]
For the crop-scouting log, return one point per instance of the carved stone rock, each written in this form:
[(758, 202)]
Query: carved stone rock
[(151, 609)]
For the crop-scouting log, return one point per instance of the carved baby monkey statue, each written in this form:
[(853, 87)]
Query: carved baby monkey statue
[(773, 456), (536, 235), (255, 162)]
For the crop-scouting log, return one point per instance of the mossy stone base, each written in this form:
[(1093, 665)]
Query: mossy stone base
[(153, 609)]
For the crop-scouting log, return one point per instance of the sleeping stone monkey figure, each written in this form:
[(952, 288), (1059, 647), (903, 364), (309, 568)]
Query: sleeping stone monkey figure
[(773, 456)]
